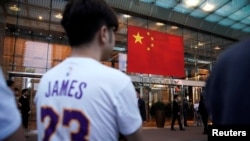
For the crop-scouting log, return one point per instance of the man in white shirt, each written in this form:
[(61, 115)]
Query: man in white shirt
[(81, 99), (10, 119)]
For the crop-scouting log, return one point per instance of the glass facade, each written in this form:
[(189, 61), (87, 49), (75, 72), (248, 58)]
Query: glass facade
[(31, 49)]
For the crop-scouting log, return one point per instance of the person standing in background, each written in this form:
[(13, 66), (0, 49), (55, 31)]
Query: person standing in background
[(141, 106), (197, 116), (25, 107), (11, 84), (176, 113), (17, 96), (203, 113), (16, 93), (10, 119), (185, 112)]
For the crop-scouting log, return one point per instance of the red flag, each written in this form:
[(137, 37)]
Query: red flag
[(153, 52)]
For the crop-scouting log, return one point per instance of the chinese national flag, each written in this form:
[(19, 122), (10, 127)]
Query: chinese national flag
[(153, 52)]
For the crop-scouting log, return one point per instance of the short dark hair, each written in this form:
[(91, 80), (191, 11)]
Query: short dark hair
[(24, 90), (175, 96), (9, 82), (137, 90), (83, 18)]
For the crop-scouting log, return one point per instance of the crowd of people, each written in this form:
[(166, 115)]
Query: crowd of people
[(83, 90)]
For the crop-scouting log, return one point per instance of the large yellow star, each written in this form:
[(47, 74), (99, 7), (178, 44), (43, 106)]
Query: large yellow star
[(138, 38)]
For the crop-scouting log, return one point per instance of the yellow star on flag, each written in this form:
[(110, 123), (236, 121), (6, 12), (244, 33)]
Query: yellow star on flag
[(138, 38)]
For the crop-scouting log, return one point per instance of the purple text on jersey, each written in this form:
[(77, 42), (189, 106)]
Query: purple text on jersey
[(71, 88)]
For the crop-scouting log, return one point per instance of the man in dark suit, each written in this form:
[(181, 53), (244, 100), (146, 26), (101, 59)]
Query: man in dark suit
[(204, 115), (176, 114), (185, 111), (25, 107), (141, 106)]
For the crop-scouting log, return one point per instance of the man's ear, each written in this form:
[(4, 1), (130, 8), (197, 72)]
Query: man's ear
[(103, 35)]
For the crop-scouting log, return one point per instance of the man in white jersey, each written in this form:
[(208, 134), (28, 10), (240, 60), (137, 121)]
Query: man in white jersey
[(81, 99), (10, 119)]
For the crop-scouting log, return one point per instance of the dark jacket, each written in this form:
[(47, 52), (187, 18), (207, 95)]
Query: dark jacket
[(185, 107), (142, 109), (227, 90), (202, 109), (176, 108), (25, 108)]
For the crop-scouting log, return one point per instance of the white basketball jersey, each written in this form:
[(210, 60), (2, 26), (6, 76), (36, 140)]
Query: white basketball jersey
[(81, 99)]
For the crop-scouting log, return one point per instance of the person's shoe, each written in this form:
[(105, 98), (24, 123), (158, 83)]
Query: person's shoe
[(182, 129), (172, 129)]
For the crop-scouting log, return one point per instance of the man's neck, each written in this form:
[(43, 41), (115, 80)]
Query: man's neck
[(88, 51)]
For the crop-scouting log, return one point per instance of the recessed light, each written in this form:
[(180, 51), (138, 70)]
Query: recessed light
[(200, 44), (14, 8), (174, 27), (126, 16), (217, 48), (208, 7), (192, 2), (59, 16), (159, 24), (40, 17)]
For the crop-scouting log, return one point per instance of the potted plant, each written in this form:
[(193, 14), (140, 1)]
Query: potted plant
[(158, 110)]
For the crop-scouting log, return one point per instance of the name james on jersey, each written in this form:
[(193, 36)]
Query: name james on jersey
[(70, 88)]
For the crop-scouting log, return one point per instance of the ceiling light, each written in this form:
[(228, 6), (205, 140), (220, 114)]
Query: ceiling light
[(208, 7), (126, 16), (58, 16), (174, 27), (217, 48), (14, 8), (159, 24), (200, 44), (159, 86), (192, 2), (40, 17)]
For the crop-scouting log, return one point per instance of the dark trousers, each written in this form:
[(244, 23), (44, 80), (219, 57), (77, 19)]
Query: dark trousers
[(25, 120), (204, 119), (178, 119), (185, 118)]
